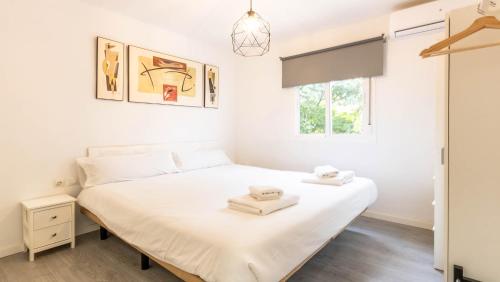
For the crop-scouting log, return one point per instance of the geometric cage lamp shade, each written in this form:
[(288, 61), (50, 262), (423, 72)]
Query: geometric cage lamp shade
[(251, 35)]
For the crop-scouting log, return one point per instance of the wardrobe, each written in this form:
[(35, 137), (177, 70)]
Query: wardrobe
[(471, 156)]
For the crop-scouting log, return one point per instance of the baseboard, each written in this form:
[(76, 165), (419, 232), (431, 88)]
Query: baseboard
[(11, 250), (400, 220)]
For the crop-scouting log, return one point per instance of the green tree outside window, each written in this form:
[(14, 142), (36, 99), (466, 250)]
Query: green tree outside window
[(312, 109), (346, 106)]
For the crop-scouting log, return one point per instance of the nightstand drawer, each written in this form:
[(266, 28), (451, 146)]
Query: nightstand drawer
[(50, 235), (51, 217)]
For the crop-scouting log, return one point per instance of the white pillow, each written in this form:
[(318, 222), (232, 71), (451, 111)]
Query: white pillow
[(126, 167), (200, 159)]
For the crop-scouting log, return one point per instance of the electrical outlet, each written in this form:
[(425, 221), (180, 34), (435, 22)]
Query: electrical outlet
[(59, 182), (65, 182)]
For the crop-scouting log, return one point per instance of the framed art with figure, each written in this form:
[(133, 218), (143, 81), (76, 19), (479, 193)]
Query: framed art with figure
[(110, 68), (211, 86)]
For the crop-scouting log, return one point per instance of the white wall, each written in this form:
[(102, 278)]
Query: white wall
[(49, 114), (399, 157)]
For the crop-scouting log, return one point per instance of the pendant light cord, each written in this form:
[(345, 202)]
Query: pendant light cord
[(251, 5)]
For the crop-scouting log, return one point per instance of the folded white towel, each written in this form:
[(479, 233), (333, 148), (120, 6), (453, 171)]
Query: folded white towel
[(325, 171), (343, 177), (265, 193), (248, 204)]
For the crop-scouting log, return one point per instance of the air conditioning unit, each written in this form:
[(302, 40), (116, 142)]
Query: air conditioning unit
[(486, 7), (424, 18)]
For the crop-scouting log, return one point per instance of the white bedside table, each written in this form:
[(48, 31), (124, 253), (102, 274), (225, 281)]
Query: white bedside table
[(48, 222)]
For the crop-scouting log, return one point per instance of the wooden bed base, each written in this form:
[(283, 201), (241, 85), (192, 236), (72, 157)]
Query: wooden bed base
[(186, 276)]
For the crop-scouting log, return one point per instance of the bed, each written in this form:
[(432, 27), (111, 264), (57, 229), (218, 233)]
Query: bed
[(182, 222)]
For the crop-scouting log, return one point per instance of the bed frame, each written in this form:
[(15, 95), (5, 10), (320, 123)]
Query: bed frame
[(145, 256), (183, 275)]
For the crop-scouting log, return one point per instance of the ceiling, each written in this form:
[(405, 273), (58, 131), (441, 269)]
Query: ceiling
[(213, 20)]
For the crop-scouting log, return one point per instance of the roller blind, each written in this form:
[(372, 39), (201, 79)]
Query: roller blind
[(358, 59)]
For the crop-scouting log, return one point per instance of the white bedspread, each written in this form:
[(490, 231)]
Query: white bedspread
[(183, 219)]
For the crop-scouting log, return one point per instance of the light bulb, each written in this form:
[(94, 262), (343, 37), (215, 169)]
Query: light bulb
[(251, 23)]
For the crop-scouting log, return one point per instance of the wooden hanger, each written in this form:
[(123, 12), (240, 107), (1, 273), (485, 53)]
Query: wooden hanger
[(477, 25)]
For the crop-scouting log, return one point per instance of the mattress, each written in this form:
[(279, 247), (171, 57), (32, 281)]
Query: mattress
[(183, 219)]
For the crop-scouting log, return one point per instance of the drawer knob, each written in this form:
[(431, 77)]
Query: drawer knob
[(54, 217), (54, 235)]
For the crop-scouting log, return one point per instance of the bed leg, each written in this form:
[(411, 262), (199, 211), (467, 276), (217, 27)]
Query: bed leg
[(144, 262), (104, 233)]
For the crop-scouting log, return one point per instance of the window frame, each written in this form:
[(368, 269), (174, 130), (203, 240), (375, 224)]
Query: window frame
[(367, 122)]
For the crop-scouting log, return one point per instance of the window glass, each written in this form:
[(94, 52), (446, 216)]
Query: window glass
[(312, 103), (347, 99)]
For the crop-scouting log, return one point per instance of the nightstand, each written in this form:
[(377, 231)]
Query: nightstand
[(48, 222)]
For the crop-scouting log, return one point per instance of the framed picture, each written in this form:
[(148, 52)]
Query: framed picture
[(211, 86), (109, 69), (164, 79)]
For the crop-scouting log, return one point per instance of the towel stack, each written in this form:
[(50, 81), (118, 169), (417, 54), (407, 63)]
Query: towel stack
[(328, 175), (263, 200), (325, 171), (265, 193)]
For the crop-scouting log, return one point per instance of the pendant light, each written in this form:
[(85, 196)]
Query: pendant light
[(251, 35)]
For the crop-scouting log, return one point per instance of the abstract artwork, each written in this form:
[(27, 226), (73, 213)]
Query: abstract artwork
[(211, 86), (163, 79), (109, 69)]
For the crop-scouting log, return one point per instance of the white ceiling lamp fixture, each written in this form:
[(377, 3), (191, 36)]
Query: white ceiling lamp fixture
[(251, 35)]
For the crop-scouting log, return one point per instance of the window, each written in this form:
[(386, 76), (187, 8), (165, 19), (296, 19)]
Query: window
[(338, 107)]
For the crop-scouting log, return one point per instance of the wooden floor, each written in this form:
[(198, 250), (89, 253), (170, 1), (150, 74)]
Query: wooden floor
[(369, 250)]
